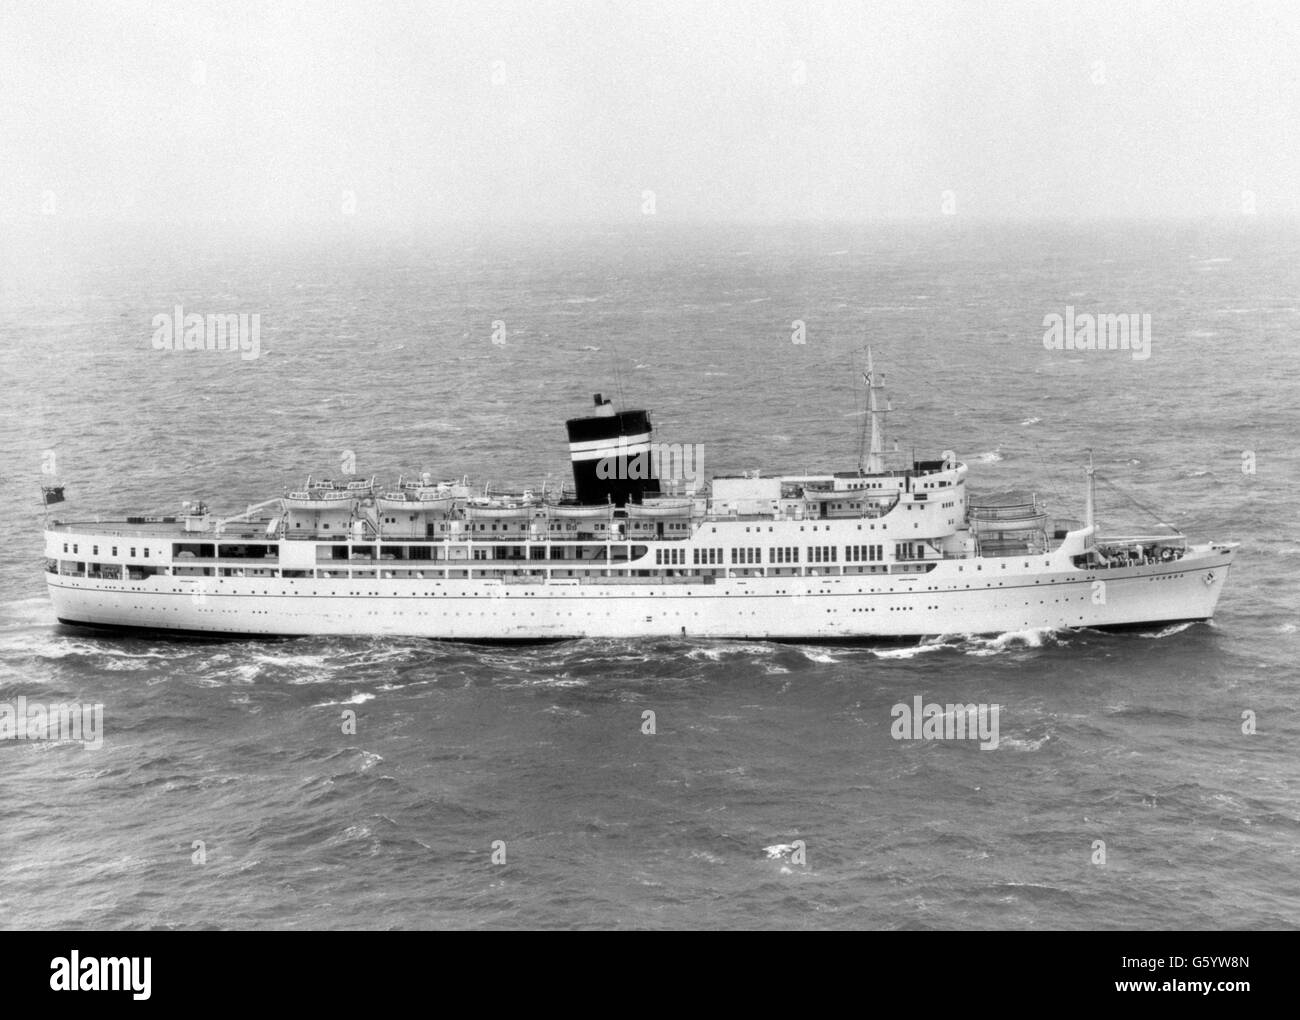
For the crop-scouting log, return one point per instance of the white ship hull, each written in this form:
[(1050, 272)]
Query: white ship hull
[(882, 553), (1006, 595)]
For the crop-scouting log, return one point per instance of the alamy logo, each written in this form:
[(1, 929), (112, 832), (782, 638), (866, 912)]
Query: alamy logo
[(1088, 332), (667, 461), (946, 722), (24, 720), (178, 331), (101, 974)]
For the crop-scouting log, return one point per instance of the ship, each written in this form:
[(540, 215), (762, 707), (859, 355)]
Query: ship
[(888, 551)]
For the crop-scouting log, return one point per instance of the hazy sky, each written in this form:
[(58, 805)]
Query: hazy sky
[(416, 112)]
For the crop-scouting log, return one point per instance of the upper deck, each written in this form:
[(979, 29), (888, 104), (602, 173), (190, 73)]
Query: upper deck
[(932, 494)]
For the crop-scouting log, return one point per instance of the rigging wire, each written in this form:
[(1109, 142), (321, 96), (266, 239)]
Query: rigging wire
[(1146, 510), (1052, 471)]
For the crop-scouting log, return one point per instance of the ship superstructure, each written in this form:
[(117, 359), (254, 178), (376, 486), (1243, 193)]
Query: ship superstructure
[(880, 552)]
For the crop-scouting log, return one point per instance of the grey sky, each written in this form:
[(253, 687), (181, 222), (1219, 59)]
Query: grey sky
[(759, 110)]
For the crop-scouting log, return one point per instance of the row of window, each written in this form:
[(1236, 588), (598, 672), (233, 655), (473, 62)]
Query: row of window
[(521, 526), (94, 550), (814, 553), (701, 557), (869, 526)]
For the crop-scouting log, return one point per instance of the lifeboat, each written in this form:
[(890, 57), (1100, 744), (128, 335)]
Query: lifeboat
[(319, 499), (818, 493), (660, 508), (1007, 517), (579, 510), (416, 500), (482, 508)]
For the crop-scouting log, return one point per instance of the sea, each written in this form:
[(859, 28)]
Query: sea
[(1144, 780)]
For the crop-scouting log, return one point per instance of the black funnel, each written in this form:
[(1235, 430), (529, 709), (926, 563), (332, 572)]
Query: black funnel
[(611, 454)]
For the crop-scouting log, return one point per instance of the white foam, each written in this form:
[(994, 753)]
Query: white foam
[(1023, 745), (356, 699), (297, 661), (909, 652), (715, 652), (559, 681), (1010, 640), (1173, 628)]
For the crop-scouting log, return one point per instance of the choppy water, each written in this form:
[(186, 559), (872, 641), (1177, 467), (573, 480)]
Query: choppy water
[(383, 347)]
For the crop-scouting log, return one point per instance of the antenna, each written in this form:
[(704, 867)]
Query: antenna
[(614, 355), (862, 429), (1089, 507), (875, 463), (618, 383)]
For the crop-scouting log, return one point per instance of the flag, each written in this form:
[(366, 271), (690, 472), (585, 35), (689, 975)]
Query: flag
[(52, 494)]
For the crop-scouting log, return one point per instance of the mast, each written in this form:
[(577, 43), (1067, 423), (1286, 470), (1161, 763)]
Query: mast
[(1090, 503), (874, 463)]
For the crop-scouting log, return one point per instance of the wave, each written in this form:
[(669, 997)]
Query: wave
[(1013, 640), (1169, 631), (910, 651), (296, 661), (548, 681), (1016, 744), (356, 699), (977, 644), (714, 653), (25, 612)]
